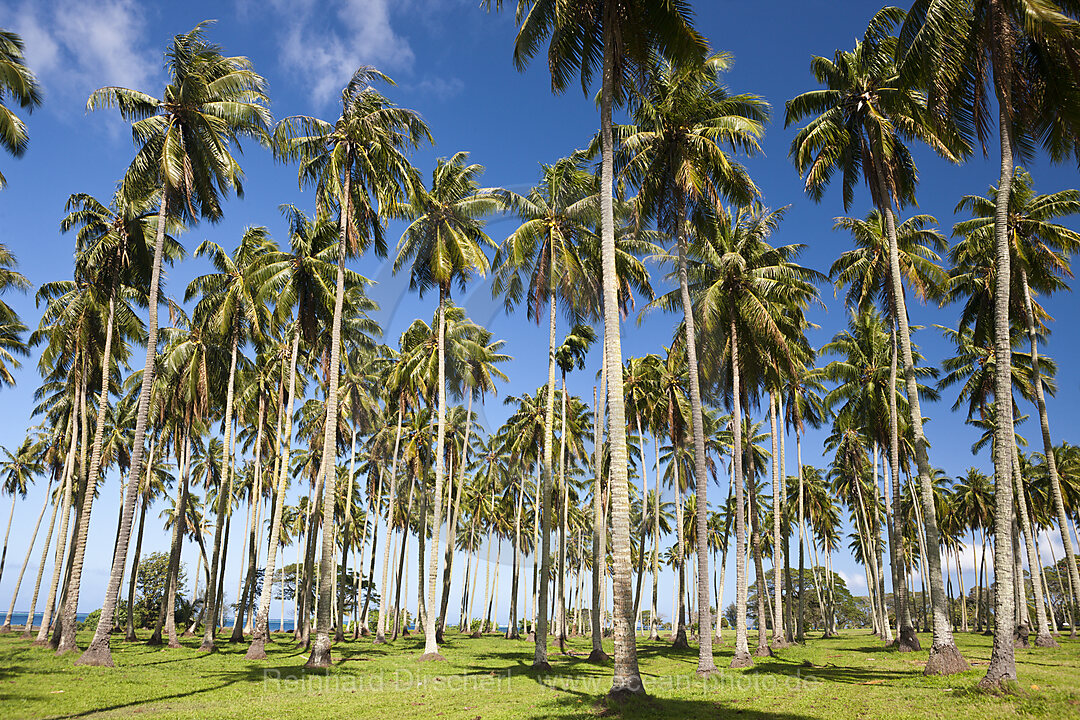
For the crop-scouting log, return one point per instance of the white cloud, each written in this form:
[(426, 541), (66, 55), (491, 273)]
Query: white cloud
[(76, 46), (324, 43), (440, 88)]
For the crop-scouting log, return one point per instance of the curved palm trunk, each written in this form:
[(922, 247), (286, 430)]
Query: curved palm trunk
[(166, 616), (800, 635), (642, 531), (82, 528), (61, 538), (1043, 638), (129, 624), (512, 631), (261, 633), (29, 550), (654, 630), (762, 649), (742, 656), (57, 501), (627, 678), (1048, 448), (680, 641), (945, 658), (705, 658), (98, 651), (1002, 668), (431, 645)]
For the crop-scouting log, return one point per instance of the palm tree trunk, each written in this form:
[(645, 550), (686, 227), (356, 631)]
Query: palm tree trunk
[(451, 525), (98, 651), (320, 649), (29, 550), (564, 496), (705, 658), (129, 629), (681, 641), (71, 603), (253, 531), (61, 538), (512, 626), (380, 632), (179, 529), (431, 645), (945, 658), (778, 633), (742, 656), (257, 649), (800, 633), (1048, 448), (57, 501), (1002, 667), (907, 640), (759, 572), (654, 633), (598, 553), (540, 651), (644, 515), (1043, 638)]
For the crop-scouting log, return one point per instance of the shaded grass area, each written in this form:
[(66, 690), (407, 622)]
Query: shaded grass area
[(853, 676)]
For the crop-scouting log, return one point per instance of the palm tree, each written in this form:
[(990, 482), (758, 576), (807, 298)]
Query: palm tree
[(210, 103), (445, 245), (18, 470), (1040, 250), (615, 38), (301, 279), (542, 261), (357, 165), (858, 124), (231, 306), (683, 118), (750, 294), (12, 329), (18, 82), (1024, 54)]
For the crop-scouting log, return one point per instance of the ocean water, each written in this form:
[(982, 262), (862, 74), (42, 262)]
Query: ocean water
[(18, 619)]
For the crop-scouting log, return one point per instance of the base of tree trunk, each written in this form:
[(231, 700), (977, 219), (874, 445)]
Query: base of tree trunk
[(5, 628), (708, 670), (431, 657), (174, 645), (680, 642), (829, 636), (97, 654), (780, 643), (626, 690), (945, 660), (130, 636), (380, 639), (742, 660), (763, 651), (339, 635), (476, 634), (364, 630), (531, 637), (599, 657), (40, 643), (405, 632), (320, 653), (155, 639), (542, 666), (1045, 641), (1020, 637), (257, 650), (513, 635), (653, 635), (908, 641), (207, 645), (998, 683)]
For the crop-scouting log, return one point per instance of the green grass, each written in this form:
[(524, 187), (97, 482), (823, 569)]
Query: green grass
[(848, 677)]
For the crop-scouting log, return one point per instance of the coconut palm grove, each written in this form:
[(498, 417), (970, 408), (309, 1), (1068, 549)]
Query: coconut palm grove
[(541, 359)]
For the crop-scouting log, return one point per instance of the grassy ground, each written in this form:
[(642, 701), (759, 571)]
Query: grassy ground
[(848, 677)]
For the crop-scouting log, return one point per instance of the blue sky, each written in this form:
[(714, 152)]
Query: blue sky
[(452, 63)]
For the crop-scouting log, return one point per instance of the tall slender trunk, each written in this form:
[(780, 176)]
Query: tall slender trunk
[(1048, 448), (907, 640), (98, 652), (29, 550), (1043, 638), (512, 626), (627, 678), (705, 664), (540, 659), (57, 501), (742, 656), (598, 551), (451, 524), (945, 658), (800, 635), (257, 649), (62, 537), (564, 497), (82, 528), (1002, 668), (431, 645), (380, 632), (654, 633), (129, 625), (253, 530), (644, 515), (681, 640), (778, 633)]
